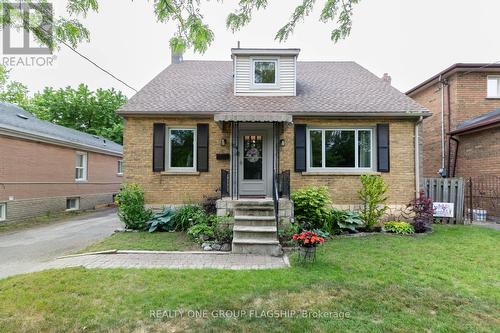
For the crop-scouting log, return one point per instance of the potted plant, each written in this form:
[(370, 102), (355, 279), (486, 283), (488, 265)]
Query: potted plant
[(307, 241)]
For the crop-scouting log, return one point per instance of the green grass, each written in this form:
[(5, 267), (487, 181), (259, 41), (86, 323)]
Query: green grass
[(158, 241), (444, 282)]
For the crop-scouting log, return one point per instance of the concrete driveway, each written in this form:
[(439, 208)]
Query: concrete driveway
[(25, 250)]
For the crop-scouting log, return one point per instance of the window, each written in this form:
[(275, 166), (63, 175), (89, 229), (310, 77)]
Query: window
[(3, 211), (120, 167), (72, 203), (264, 72), (340, 149), (494, 86), (81, 166), (182, 149)]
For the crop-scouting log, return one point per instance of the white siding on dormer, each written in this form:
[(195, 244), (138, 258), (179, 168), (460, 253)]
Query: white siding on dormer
[(243, 85)]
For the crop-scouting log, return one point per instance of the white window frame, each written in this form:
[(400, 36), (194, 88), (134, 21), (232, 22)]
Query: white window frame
[(274, 85), (497, 79), (169, 149), (3, 211), (84, 167), (120, 168), (77, 204), (323, 150)]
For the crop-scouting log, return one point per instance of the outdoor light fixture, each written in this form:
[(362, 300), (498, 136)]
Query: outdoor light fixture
[(282, 142), (222, 142)]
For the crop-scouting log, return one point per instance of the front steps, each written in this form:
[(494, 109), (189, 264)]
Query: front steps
[(255, 228)]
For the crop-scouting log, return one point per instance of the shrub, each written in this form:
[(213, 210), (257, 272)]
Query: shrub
[(343, 220), (311, 206), (372, 194), (209, 204), (200, 232), (188, 215), (161, 221), (223, 233), (423, 212), (285, 234), (130, 203), (399, 227)]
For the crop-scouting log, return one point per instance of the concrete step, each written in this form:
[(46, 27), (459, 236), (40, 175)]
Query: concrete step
[(254, 235), (263, 221), (253, 202), (254, 210), (254, 246), (243, 228)]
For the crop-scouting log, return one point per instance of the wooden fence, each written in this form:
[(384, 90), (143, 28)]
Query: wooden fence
[(447, 190)]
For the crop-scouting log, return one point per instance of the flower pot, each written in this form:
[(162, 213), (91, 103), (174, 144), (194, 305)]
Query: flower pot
[(307, 253)]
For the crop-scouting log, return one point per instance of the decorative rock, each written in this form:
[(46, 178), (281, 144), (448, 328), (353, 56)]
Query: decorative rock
[(216, 247), (205, 244), (225, 247), (207, 248)]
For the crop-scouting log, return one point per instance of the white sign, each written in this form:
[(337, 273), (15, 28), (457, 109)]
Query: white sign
[(443, 209)]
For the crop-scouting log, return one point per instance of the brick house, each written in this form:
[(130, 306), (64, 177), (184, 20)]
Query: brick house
[(264, 124), (49, 168), (462, 137)]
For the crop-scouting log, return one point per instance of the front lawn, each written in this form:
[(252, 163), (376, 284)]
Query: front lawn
[(447, 281), (143, 240)]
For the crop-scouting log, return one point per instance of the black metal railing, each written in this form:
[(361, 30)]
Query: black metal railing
[(276, 202), (284, 184), (224, 183)]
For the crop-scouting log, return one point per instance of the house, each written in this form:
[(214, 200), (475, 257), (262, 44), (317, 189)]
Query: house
[(265, 124), (462, 137), (49, 168)]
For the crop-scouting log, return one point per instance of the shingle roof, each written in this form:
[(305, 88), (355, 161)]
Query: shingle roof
[(323, 87), (13, 118), (487, 119)]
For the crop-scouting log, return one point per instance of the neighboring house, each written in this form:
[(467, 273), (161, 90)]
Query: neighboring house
[(49, 168), (265, 121), (462, 138)]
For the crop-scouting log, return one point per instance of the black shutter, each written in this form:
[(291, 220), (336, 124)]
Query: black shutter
[(383, 151), (158, 147), (202, 148), (300, 148)]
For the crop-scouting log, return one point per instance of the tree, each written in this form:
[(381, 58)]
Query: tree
[(12, 91), (192, 31), (88, 111)]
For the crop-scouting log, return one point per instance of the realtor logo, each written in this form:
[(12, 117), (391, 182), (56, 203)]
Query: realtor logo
[(16, 16)]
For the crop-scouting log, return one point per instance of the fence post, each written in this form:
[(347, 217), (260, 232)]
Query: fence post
[(471, 215)]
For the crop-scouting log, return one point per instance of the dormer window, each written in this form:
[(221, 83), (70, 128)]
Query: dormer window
[(265, 71)]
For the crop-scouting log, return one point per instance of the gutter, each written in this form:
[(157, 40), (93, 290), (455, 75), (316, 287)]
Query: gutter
[(417, 156), (210, 114), (12, 132)]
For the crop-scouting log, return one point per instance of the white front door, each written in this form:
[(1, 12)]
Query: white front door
[(254, 162)]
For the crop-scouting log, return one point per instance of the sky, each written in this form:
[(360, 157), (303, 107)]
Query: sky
[(411, 40)]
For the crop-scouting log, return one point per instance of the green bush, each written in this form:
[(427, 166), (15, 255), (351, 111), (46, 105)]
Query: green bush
[(161, 221), (187, 216), (200, 232), (372, 194), (130, 203), (223, 233), (285, 234), (399, 227), (311, 206), (343, 220)]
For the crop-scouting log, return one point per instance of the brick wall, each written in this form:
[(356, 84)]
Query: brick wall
[(45, 172), (468, 99), (343, 188), (167, 188)]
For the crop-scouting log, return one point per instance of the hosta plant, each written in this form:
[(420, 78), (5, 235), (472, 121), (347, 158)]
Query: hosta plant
[(399, 227)]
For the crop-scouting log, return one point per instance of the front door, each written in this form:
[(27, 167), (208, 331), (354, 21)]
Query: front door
[(253, 163)]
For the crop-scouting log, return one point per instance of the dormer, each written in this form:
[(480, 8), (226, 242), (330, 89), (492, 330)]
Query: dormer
[(264, 72)]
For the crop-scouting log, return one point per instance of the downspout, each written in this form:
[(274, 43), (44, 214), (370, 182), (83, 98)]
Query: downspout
[(442, 171), (456, 154), (417, 156), (448, 107)]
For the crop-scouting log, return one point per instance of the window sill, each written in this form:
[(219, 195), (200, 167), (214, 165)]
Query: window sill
[(72, 209), (493, 98), (119, 174), (81, 180), (180, 173), (340, 173)]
